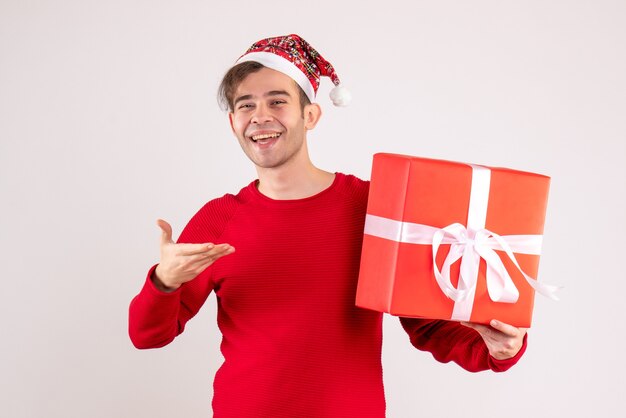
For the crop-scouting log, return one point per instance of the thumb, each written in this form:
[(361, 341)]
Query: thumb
[(166, 235)]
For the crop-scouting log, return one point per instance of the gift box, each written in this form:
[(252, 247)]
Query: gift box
[(448, 240)]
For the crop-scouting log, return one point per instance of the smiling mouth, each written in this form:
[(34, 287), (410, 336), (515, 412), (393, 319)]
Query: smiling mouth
[(265, 137)]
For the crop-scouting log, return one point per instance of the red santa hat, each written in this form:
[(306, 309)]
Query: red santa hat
[(294, 57)]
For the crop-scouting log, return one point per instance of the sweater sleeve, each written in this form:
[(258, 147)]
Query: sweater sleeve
[(450, 341), (156, 317)]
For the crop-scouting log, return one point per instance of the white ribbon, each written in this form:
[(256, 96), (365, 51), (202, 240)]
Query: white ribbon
[(469, 244)]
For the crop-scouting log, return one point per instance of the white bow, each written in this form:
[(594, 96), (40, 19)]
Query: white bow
[(470, 246)]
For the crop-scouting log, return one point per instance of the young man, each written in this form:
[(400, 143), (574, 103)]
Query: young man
[(294, 343)]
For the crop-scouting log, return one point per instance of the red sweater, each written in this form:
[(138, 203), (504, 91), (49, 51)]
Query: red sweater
[(294, 344)]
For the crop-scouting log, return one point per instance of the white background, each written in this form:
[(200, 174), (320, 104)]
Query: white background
[(108, 120)]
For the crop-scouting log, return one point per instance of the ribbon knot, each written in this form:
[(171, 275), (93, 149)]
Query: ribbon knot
[(470, 246)]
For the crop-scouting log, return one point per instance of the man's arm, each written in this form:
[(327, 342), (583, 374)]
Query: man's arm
[(155, 317), (503, 341), (174, 290), (452, 341)]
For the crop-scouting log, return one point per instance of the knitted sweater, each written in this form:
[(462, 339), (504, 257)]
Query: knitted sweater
[(294, 343)]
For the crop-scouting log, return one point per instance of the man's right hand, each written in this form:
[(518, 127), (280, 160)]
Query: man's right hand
[(181, 263)]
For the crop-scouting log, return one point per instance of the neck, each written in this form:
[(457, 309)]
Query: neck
[(288, 183)]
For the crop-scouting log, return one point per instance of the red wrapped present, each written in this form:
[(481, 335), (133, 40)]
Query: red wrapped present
[(482, 225)]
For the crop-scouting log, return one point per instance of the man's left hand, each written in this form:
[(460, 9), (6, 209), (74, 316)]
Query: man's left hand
[(503, 340)]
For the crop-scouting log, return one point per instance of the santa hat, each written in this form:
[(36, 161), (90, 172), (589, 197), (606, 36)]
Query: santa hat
[(294, 57)]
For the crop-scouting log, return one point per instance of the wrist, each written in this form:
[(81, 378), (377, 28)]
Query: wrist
[(160, 285)]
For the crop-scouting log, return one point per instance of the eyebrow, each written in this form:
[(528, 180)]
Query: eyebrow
[(268, 94)]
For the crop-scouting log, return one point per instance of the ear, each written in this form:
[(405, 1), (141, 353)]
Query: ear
[(230, 120), (312, 114)]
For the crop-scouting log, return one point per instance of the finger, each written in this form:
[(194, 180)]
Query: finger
[(195, 249), (204, 257), (204, 250), (200, 263), (217, 253), (222, 248), (504, 328), (223, 252), (166, 231)]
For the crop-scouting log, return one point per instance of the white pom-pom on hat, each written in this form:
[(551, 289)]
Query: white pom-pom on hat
[(340, 96)]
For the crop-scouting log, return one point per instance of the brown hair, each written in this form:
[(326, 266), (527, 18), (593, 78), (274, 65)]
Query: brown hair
[(234, 77)]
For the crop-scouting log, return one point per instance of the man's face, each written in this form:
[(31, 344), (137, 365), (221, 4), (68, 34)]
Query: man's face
[(268, 120)]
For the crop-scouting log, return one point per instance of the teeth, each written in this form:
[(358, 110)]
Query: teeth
[(265, 136)]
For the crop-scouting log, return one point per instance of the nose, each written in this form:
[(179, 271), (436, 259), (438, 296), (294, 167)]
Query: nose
[(261, 114)]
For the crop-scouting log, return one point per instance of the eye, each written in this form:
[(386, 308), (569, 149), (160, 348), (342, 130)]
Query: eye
[(245, 106), (278, 102)]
